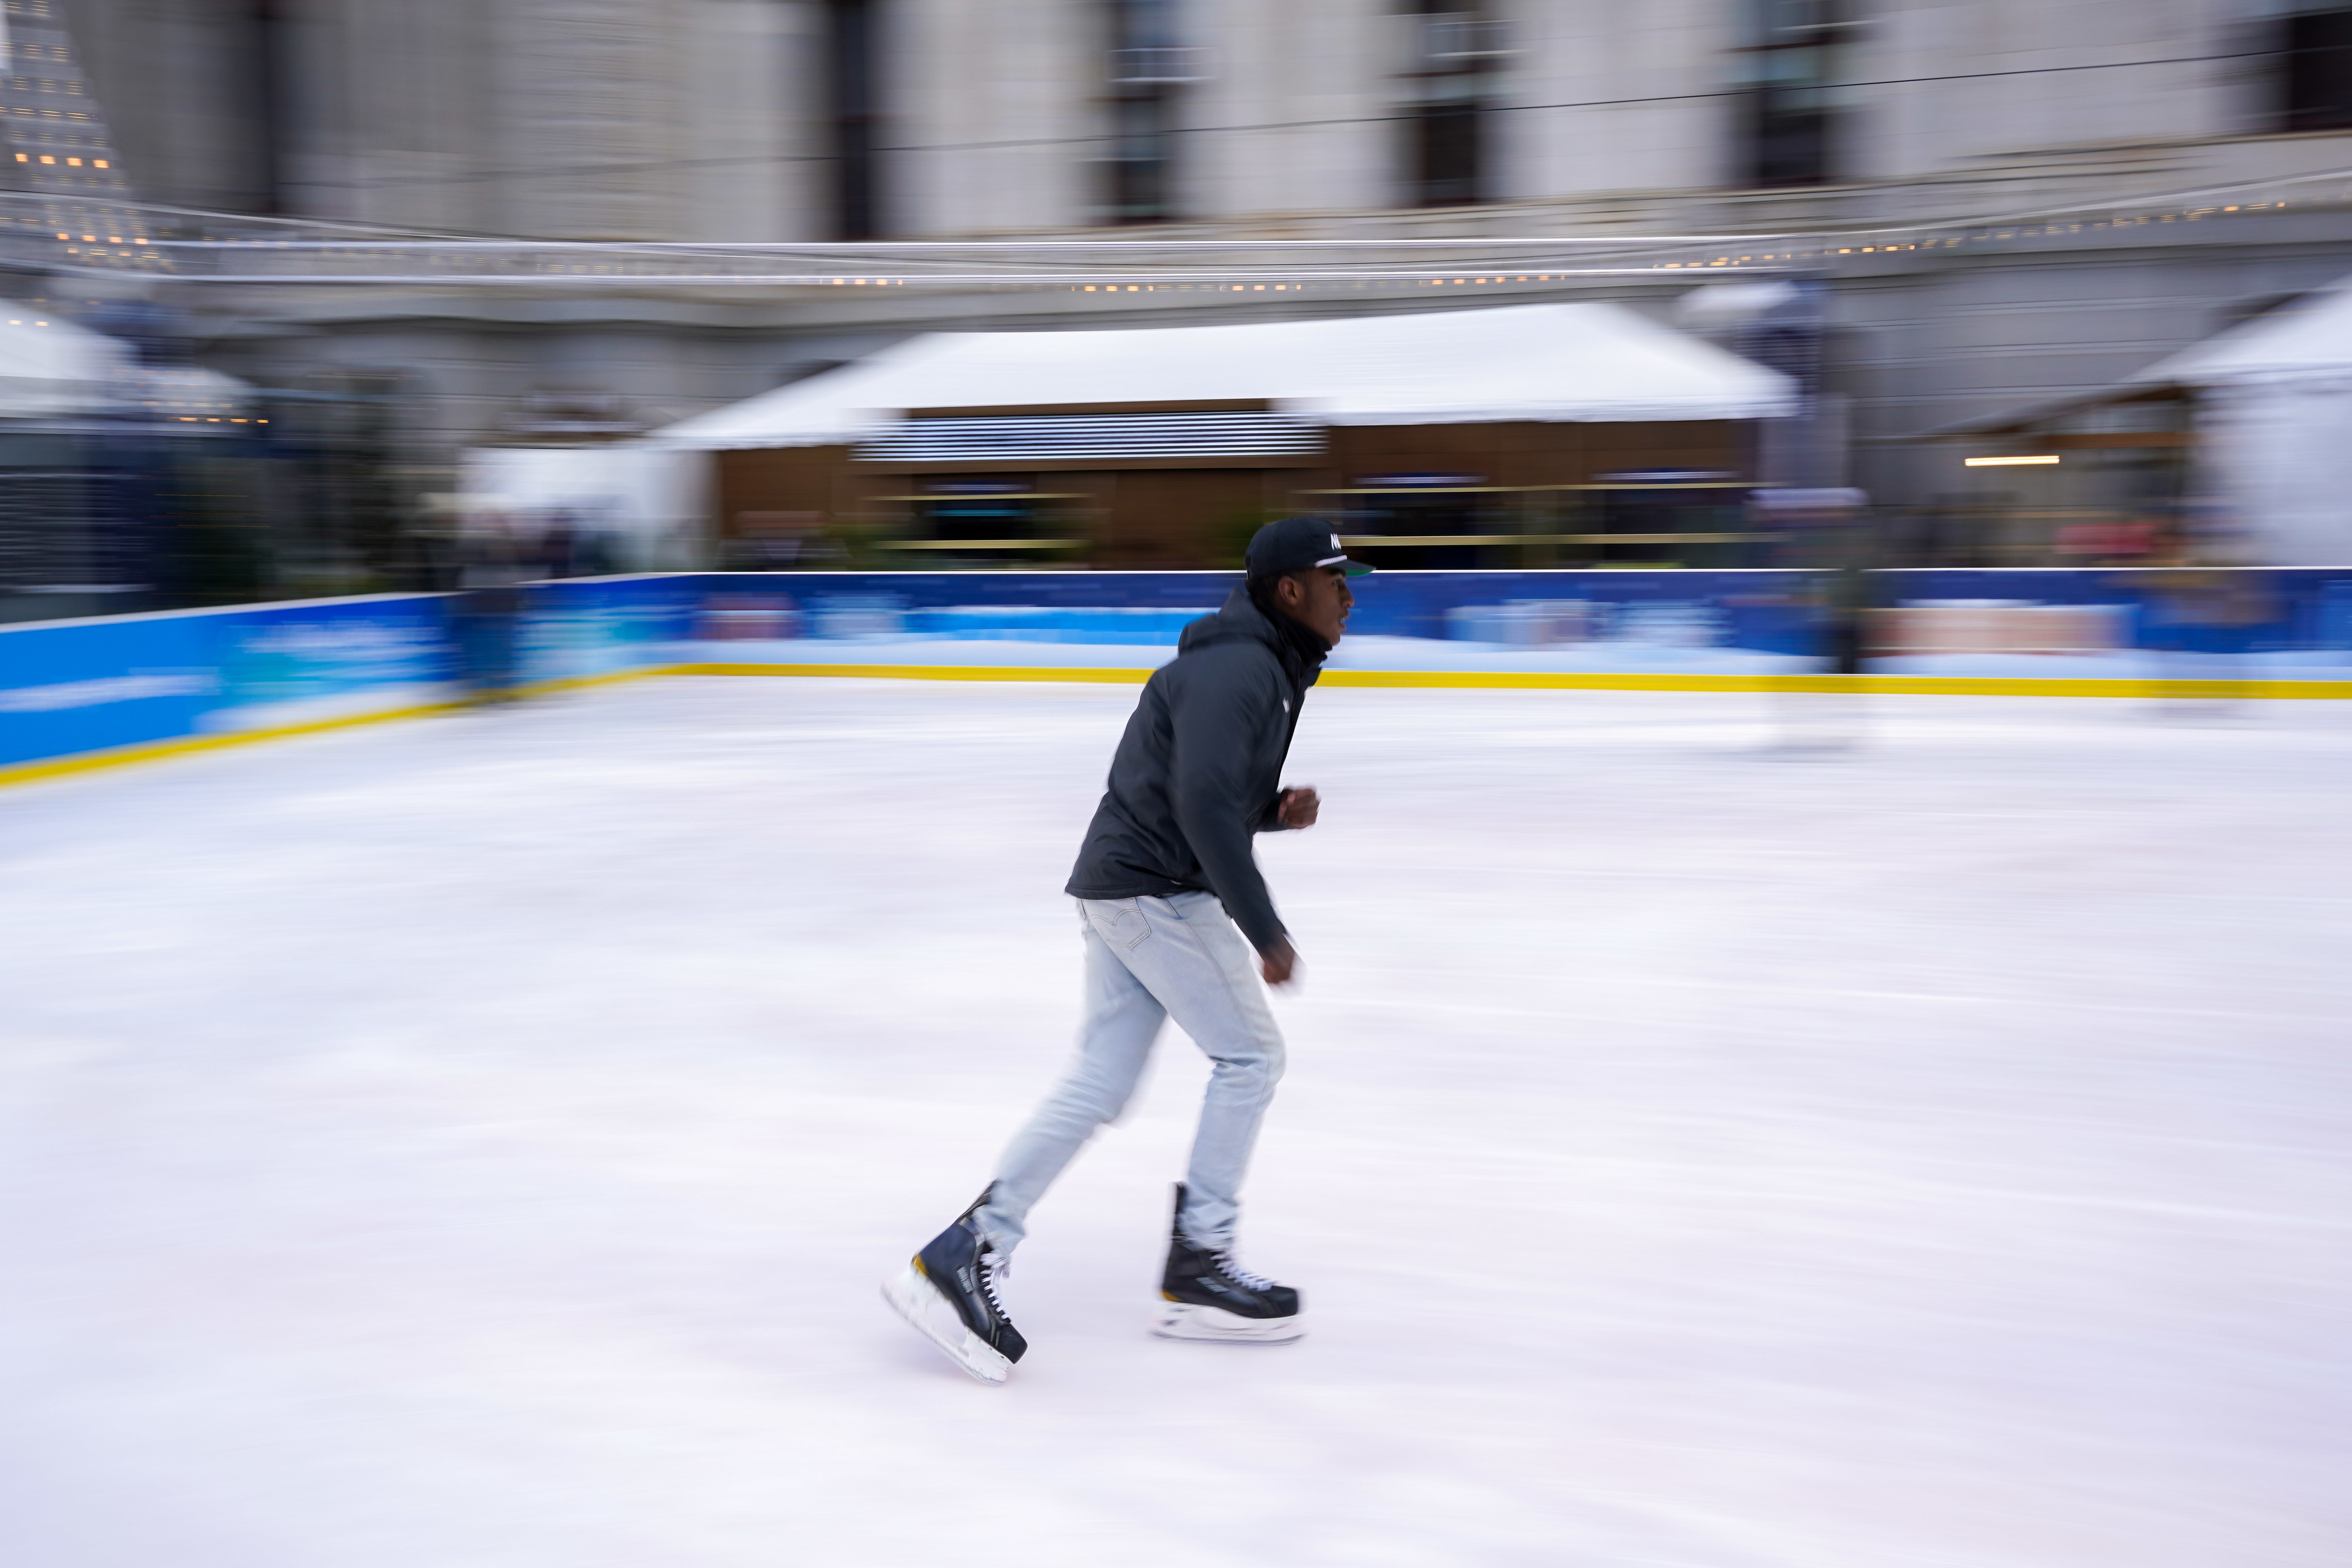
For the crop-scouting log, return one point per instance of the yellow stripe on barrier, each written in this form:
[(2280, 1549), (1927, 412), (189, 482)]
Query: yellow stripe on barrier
[(1135, 677), (1456, 680), (1888, 685), (189, 745), (1552, 680)]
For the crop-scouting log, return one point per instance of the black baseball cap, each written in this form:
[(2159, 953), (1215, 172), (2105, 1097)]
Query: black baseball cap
[(1298, 545)]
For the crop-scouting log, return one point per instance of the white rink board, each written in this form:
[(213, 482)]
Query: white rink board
[(477, 1140)]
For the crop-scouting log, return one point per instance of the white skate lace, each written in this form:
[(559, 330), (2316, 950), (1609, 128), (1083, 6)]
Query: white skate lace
[(1231, 1267), (992, 1267)]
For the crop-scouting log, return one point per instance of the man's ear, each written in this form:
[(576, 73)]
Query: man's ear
[(1290, 592)]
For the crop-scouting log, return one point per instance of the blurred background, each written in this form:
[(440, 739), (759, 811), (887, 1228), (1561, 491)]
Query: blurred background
[(316, 297), (483, 1133)]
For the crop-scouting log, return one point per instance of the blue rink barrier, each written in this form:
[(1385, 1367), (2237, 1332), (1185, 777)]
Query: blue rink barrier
[(75, 693), (185, 680), (2022, 624)]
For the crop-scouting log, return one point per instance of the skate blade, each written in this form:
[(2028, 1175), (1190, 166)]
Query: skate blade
[(1183, 1321), (933, 1316)]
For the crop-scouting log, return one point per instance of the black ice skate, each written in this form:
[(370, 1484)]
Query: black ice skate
[(1207, 1294), (947, 1291)]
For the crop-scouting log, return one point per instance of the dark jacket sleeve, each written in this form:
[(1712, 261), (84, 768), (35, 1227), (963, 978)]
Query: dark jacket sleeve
[(1221, 719)]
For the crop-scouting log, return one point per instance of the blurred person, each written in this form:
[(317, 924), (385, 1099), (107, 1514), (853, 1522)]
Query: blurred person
[(1175, 918), (1830, 535), (1848, 595), (773, 541), (592, 554), (495, 565), (2202, 615), (2135, 538), (559, 539), (2106, 540)]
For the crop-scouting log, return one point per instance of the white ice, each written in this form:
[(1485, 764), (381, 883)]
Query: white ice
[(477, 1142)]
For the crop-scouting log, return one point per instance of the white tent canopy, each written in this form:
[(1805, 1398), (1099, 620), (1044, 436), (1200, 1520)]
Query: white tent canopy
[(2274, 410), (1553, 363), (645, 504), (50, 369), (2307, 342)]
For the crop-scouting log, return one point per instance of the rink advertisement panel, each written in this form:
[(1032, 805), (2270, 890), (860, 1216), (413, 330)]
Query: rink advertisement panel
[(119, 688), (85, 686), (592, 628), (2028, 622), (131, 682)]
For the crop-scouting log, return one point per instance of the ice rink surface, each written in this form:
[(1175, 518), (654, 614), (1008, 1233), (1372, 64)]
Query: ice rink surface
[(477, 1140)]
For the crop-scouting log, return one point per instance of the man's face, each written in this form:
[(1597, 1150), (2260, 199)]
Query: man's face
[(1319, 599)]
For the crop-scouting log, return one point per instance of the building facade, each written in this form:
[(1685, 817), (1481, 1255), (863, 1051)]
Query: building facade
[(884, 122)]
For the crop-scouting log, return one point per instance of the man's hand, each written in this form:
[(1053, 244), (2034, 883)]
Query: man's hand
[(1298, 807), (1278, 962)]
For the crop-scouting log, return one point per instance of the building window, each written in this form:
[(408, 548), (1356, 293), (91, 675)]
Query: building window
[(1789, 65), (1456, 55), (2315, 51), (264, 94), (1148, 70), (853, 80)]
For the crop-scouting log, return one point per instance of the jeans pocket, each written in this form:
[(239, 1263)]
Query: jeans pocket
[(1118, 922)]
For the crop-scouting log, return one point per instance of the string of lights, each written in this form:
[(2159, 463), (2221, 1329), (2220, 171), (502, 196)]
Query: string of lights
[(292, 252)]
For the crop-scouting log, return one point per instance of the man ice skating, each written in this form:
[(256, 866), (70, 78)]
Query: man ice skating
[(1163, 880)]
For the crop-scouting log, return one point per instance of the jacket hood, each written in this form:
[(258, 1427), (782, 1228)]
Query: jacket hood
[(1298, 650), (1237, 617)]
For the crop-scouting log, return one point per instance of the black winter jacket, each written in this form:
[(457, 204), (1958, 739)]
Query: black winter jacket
[(1200, 770)]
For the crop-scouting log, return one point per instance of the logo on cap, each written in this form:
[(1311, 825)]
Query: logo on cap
[(1335, 542)]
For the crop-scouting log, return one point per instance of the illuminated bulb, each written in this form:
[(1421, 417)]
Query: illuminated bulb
[(2009, 462)]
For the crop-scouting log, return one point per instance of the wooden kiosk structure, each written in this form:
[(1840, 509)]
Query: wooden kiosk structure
[(1539, 435)]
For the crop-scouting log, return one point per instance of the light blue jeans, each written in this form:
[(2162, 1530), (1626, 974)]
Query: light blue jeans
[(1150, 959)]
